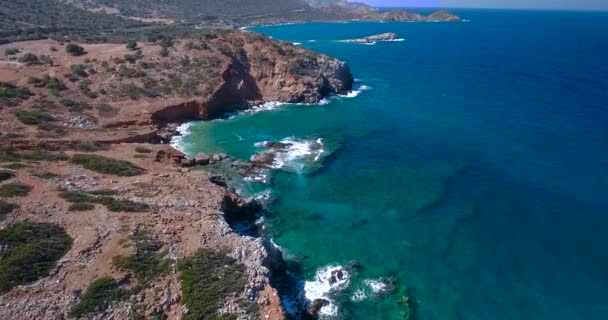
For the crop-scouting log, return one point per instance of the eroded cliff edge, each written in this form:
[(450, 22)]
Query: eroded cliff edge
[(72, 124)]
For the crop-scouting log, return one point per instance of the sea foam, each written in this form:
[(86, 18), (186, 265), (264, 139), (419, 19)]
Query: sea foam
[(327, 280)]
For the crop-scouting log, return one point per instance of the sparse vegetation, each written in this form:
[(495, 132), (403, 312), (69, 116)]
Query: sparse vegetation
[(53, 84), (148, 262), (31, 251), (100, 294), (131, 45), (14, 166), (75, 106), (11, 95), (29, 58), (81, 207), (33, 117), (91, 147), (106, 111), (112, 204), (107, 165), (6, 208), (44, 175), (206, 279), (140, 149), (74, 49), (6, 175), (14, 189), (11, 51)]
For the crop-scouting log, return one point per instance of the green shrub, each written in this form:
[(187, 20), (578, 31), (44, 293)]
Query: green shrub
[(32, 249), (43, 155), (53, 84), (75, 106), (103, 192), (74, 49), (107, 165), (15, 189), (29, 58), (43, 175), (81, 207), (112, 204), (131, 45), (100, 294), (11, 51), (5, 175), (106, 111), (79, 70), (33, 117), (147, 263), (6, 208), (11, 95), (91, 147), (140, 149), (206, 279), (15, 166)]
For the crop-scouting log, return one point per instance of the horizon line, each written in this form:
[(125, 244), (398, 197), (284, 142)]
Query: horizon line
[(496, 8)]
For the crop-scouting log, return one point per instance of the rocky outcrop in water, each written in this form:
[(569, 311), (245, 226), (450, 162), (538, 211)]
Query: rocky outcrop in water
[(389, 36)]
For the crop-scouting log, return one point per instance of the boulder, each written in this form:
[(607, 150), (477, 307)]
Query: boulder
[(202, 159), (312, 312)]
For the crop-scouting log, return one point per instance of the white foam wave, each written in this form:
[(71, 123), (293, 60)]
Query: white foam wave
[(396, 40), (356, 92), (177, 141), (370, 287), (298, 153), (297, 43), (268, 106), (327, 280)]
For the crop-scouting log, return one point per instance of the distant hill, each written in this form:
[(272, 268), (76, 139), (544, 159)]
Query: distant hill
[(35, 19), (117, 20), (196, 9)]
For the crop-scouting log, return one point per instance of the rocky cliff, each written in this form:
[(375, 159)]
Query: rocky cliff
[(80, 140)]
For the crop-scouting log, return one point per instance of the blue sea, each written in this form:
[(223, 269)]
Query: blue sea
[(466, 175)]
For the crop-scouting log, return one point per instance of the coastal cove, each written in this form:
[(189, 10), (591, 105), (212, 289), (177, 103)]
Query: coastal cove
[(466, 172)]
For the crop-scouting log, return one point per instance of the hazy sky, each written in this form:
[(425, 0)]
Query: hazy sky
[(549, 4)]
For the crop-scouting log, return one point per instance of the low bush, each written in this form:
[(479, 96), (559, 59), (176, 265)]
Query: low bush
[(140, 149), (5, 175), (15, 166), (74, 49), (29, 58), (11, 51), (6, 208), (14, 189), (100, 294), (53, 84), (81, 207), (107, 165), (147, 263), (31, 251), (206, 279), (106, 111), (43, 175), (91, 147), (75, 106), (11, 95), (43, 155), (33, 117), (112, 204)]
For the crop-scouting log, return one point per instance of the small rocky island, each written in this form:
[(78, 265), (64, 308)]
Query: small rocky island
[(389, 36)]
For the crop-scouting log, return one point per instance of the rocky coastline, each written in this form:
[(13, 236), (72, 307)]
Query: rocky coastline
[(185, 210)]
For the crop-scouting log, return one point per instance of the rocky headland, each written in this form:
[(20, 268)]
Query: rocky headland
[(389, 36), (83, 148)]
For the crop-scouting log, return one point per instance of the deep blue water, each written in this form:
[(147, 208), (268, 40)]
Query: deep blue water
[(474, 171)]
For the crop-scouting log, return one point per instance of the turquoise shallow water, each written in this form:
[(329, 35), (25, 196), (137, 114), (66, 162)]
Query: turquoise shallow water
[(474, 170)]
